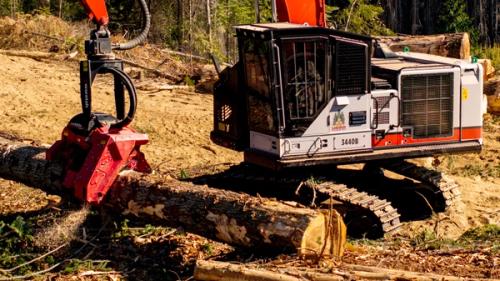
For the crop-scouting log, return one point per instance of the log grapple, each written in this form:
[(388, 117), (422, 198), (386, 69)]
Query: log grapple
[(96, 147)]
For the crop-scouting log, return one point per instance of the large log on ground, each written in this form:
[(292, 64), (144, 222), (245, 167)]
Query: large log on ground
[(492, 91), (234, 218), (223, 271), (454, 45)]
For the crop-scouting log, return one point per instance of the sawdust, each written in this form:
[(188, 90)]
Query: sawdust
[(63, 230)]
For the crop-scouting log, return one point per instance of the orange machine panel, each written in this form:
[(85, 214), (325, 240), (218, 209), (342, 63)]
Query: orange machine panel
[(311, 12)]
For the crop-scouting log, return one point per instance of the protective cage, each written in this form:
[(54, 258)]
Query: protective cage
[(287, 75)]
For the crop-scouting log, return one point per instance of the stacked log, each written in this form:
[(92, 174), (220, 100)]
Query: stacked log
[(454, 45)]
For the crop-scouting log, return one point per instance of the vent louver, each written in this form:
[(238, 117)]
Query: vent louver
[(352, 68), (428, 104)]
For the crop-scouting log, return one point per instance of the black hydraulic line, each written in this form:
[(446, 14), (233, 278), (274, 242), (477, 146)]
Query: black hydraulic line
[(132, 93), (144, 33), (125, 80)]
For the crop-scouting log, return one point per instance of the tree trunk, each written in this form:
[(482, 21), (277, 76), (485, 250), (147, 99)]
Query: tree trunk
[(209, 24), (60, 8), (454, 45), (44, 4), (223, 271), (234, 218), (257, 11)]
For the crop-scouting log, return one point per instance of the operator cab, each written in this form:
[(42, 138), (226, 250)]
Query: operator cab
[(299, 84)]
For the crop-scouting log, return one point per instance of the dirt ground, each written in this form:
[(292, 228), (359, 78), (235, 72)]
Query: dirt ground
[(39, 97)]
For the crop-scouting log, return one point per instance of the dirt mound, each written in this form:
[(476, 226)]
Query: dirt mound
[(48, 33), (41, 32)]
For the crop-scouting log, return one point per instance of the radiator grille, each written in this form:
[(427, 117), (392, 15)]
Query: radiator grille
[(428, 104), (383, 117), (352, 68)]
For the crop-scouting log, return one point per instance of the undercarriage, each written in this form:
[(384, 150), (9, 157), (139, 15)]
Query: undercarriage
[(371, 202)]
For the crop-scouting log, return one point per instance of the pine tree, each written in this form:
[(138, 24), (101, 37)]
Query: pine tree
[(358, 16)]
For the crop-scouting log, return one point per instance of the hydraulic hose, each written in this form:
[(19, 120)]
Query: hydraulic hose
[(144, 33), (127, 82)]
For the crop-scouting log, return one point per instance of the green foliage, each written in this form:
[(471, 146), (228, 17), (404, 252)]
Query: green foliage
[(123, 230), (188, 81), (15, 237), (485, 235), (453, 18), (9, 7), (489, 232), (76, 265), (358, 16), (492, 53), (184, 175), (207, 248)]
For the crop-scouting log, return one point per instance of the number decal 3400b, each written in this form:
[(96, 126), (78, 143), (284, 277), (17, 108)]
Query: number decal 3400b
[(351, 141)]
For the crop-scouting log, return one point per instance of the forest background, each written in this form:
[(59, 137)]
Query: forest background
[(206, 26)]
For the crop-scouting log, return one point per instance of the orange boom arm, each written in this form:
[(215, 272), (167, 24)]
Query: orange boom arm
[(96, 10), (311, 12)]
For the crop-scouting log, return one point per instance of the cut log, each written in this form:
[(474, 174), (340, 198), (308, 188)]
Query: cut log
[(223, 271), (492, 87), (494, 105), (234, 218), (454, 45), (488, 69)]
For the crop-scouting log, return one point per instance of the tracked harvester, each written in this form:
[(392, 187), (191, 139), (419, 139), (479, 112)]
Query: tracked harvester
[(308, 96)]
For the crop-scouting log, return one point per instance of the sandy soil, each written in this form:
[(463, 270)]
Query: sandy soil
[(39, 99)]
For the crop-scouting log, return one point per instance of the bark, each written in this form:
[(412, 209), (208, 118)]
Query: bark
[(494, 105), (234, 218), (454, 45), (492, 87), (223, 271)]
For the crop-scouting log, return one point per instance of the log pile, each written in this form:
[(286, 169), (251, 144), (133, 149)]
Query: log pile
[(491, 87), (454, 45), (237, 219)]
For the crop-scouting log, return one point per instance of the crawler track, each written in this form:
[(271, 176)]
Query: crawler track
[(444, 189), (365, 214), (386, 214)]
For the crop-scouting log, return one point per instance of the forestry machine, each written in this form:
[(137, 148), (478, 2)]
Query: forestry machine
[(94, 146), (303, 95)]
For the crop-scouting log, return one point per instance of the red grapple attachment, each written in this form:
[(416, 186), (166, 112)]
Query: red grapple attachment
[(93, 162)]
